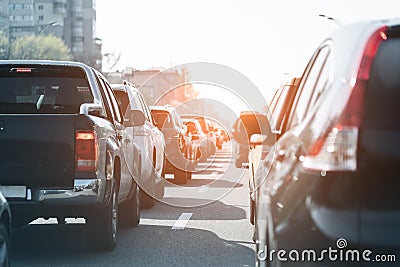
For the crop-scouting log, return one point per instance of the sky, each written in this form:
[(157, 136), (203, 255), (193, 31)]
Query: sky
[(266, 41)]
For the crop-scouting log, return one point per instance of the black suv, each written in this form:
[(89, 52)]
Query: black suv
[(331, 182)]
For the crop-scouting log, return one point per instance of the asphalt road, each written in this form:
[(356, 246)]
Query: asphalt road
[(204, 223)]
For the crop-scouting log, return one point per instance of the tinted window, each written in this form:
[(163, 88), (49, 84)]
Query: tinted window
[(383, 94), (162, 119), (114, 103), (308, 85), (123, 100), (43, 90)]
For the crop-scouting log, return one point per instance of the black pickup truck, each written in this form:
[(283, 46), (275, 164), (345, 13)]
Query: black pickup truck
[(63, 148)]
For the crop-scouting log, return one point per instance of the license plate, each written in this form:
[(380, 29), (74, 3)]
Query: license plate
[(18, 191)]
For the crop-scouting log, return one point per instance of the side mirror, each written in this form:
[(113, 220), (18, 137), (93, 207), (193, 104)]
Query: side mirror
[(91, 109), (134, 118), (257, 139)]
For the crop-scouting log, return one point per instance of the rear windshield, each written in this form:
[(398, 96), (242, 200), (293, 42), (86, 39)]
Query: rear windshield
[(383, 94), (162, 119), (43, 90)]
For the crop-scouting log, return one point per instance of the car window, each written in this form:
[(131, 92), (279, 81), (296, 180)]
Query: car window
[(123, 100), (162, 118), (146, 110), (278, 107), (275, 99), (106, 99), (116, 113), (43, 91), (309, 82)]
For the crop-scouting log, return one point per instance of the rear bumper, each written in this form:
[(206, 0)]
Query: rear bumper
[(86, 196)]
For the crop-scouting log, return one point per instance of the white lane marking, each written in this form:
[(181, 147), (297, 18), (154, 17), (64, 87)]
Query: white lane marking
[(214, 174), (182, 221), (203, 188)]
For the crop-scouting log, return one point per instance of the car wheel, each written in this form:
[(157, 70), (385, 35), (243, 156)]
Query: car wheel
[(146, 201), (129, 211), (181, 176), (102, 225), (4, 247), (189, 175)]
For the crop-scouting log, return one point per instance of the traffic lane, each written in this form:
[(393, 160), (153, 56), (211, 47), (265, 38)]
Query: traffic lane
[(147, 245), (215, 234), (204, 241), (212, 180)]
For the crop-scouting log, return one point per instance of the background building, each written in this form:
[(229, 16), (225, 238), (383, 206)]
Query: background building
[(71, 20), (159, 87)]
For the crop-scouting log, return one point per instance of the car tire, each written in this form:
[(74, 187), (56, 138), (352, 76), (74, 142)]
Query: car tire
[(102, 225), (160, 186), (129, 211), (146, 201), (181, 176), (4, 247)]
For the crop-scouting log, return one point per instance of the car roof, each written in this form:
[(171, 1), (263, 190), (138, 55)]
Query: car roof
[(164, 108), (44, 63), (348, 45), (124, 86)]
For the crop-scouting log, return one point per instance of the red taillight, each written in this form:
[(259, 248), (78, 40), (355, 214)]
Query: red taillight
[(370, 52), (86, 151), (24, 70), (337, 149)]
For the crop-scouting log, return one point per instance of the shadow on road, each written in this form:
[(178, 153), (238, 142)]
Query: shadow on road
[(64, 245), (215, 210), (213, 183)]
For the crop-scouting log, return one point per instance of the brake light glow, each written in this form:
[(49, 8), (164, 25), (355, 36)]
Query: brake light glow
[(337, 149), (370, 52), (86, 151), (23, 70)]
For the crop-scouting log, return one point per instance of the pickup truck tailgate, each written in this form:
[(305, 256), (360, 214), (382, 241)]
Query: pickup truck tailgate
[(37, 150)]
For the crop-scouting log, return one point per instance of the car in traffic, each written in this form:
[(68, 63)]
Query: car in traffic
[(150, 141), (63, 142), (208, 147), (247, 124), (331, 180), (197, 136), (168, 120), (260, 145)]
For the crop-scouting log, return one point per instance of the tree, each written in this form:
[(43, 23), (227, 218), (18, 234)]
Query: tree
[(4, 46), (39, 47)]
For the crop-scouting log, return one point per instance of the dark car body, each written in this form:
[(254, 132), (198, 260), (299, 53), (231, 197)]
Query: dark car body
[(332, 179), (62, 139)]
